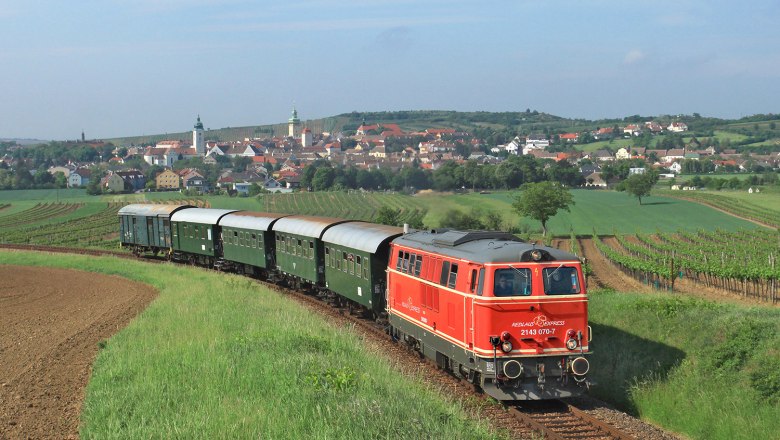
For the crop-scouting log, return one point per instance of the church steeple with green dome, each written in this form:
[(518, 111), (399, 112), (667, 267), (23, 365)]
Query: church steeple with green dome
[(198, 142), (294, 124)]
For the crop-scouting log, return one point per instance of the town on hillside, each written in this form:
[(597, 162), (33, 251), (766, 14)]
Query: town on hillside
[(380, 155)]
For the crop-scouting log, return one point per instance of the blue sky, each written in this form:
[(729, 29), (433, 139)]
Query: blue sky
[(133, 67)]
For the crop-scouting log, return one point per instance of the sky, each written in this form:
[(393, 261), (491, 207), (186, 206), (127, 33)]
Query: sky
[(139, 67)]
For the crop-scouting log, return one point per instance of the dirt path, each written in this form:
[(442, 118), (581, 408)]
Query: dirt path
[(52, 321), (606, 274)]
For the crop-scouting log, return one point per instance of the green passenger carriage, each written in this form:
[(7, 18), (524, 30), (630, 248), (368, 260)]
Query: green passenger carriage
[(356, 256), (147, 227), (196, 234), (299, 250), (247, 238)]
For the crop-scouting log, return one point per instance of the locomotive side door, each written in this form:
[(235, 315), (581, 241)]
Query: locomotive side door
[(476, 283)]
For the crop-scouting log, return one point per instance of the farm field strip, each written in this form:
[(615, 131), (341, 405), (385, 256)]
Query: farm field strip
[(38, 213), (733, 205), (357, 206), (89, 230)]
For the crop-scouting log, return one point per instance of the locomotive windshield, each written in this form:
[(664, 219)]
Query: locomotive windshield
[(512, 282), (560, 280)]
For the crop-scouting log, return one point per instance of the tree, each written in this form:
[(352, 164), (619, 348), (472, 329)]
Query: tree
[(639, 185), (542, 200), (387, 216)]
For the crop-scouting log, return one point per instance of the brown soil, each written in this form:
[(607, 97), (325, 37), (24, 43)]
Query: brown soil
[(605, 274), (52, 321)]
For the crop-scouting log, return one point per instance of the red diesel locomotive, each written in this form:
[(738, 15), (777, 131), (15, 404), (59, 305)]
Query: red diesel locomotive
[(509, 316)]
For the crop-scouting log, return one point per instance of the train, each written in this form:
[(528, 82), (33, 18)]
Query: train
[(508, 316)]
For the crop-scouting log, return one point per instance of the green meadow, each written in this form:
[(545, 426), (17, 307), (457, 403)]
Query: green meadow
[(705, 369), (605, 212)]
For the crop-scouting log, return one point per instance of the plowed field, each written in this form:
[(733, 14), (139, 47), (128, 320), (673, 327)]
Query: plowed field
[(52, 321)]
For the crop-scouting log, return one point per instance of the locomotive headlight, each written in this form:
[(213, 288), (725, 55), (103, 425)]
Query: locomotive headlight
[(536, 255), (571, 343), (506, 346)]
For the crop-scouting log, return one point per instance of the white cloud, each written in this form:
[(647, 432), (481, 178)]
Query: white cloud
[(633, 56)]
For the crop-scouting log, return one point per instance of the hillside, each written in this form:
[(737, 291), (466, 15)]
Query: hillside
[(755, 131)]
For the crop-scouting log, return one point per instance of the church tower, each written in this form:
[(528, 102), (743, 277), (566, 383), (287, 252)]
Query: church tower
[(197, 139), (294, 125)]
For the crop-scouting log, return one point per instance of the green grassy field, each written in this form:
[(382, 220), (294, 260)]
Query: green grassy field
[(606, 212), (217, 356), (603, 211)]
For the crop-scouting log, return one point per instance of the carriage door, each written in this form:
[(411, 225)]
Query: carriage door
[(167, 233), (150, 231)]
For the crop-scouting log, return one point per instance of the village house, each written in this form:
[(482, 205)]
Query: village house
[(167, 180), (79, 177)]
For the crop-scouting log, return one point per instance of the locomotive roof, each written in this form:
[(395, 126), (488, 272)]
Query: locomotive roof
[(200, 215), (148, 209), (362, 236), (306, 225), (477, 246), (260, 221)]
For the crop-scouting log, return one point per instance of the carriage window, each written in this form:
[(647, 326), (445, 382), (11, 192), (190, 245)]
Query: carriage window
[(351, 264), (560, 280), (327, 257), (365, 271), (235, 238), (358, 266), (512, 282), (453, 276), (481, 283), (445, 273), (418, 265), (254, 240), (400, 259), (311, 250), (299, 250)]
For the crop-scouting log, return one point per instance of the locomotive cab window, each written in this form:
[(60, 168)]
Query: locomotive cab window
[(512, 282), (400, 259), (560, 280), (418, 265)]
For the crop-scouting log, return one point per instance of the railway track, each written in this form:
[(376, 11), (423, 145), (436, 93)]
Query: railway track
[(549, 420)]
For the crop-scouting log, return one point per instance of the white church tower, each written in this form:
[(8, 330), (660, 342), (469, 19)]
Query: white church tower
[(197, 139), (294, 125)]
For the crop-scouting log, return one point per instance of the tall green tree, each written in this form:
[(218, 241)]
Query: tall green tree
[(541, 201), (639, 185)]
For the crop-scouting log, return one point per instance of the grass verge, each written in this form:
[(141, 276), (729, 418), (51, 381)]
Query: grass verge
[(708, 370)]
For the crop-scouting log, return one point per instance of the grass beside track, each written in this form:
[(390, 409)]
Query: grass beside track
[(218, 356), (708, 370)]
